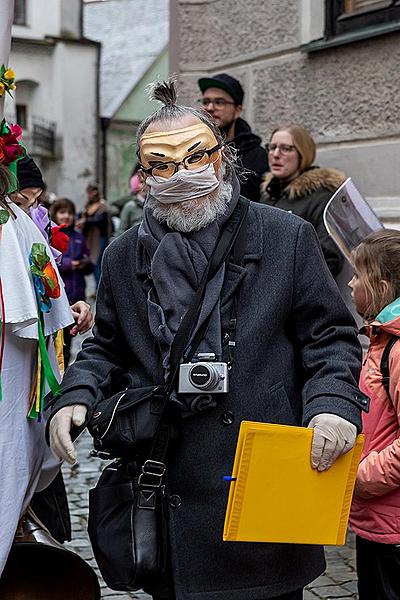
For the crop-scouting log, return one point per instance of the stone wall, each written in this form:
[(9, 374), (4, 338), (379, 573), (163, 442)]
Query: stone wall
[(346, 96)]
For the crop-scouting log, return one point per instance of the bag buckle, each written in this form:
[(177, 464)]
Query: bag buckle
[(152, 474), (102, 454)]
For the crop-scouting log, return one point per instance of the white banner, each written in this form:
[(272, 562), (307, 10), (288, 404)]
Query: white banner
[(6, 21)]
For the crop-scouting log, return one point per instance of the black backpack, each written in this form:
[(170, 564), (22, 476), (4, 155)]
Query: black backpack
[(385, 363)]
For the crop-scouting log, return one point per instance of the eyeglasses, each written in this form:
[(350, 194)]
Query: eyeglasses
[(283, 148), (217, 102), (199, 159)]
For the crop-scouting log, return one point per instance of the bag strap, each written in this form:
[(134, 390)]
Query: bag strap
[(384, 366), (154, 467), (220, 254)]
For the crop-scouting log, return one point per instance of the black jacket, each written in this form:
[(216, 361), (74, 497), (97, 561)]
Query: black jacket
[(296, 355), (252, 156), (306, 196)]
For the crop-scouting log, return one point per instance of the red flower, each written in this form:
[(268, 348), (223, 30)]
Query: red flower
[(16, 130), (59, 240), (2, 151), (12, 148)]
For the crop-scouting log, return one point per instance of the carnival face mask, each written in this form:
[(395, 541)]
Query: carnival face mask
[(194, 148)]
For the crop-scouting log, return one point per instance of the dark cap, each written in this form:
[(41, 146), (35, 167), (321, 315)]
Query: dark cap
[(223, 82), (29, 174)]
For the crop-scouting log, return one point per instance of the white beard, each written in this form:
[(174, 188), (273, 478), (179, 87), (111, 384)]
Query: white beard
[(192, 215)]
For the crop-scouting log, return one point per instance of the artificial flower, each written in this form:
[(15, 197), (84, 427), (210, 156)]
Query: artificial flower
[(7, 80), (59, 239), (10, 148), (13, 87), (9, 74), (2, 151)]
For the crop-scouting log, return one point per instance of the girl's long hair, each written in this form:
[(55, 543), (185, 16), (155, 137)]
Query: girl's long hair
[(377, 259)]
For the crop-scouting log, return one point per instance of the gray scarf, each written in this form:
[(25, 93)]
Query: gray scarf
[(176, 263)]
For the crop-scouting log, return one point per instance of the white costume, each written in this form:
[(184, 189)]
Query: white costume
[(26, 463)]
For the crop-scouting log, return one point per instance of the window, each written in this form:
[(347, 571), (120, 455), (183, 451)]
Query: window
[(22, 115), (345, 16), (20, 12)]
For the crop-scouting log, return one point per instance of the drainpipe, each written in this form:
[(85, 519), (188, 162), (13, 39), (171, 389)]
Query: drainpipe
[(104, 123)]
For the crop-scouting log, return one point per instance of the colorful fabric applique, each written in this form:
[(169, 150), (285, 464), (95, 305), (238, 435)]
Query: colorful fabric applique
[(44, 277), (47, 286)]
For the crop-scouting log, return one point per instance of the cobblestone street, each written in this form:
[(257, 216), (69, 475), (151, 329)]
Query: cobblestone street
[(339, 581)]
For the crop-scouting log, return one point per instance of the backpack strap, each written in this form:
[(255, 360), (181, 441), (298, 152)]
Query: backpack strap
[(384, 367)]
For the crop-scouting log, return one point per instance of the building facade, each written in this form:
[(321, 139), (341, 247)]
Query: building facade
[(134, 40), (56, 100), (331, 65)]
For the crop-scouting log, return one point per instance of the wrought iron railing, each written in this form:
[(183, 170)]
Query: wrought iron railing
[(44, 135)]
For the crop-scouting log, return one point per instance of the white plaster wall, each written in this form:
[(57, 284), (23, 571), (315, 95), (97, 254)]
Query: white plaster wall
[(34, 64), (74, 69), (43, 18), (66, 94)]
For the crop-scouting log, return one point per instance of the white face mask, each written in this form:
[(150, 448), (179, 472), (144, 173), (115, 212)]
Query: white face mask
[(183, 185)]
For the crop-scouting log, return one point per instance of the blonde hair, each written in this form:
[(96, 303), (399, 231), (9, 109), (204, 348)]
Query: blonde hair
[(304, 143), (377, 258)]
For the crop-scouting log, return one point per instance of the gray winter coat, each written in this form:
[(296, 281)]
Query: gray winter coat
[(297, 355)]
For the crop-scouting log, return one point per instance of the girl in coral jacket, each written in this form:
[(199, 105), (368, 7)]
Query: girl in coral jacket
[(375, 513)]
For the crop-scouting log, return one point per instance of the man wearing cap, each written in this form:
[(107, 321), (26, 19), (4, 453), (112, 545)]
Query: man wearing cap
[(223, 100)]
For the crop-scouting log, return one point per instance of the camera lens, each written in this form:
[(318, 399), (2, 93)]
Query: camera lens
[(203, 376)]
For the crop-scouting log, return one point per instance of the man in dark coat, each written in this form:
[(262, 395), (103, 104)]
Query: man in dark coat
[(296, 359), (223, 99)]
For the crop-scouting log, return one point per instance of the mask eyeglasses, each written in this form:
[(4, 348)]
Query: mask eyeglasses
[(217, 102), (201, 158), (283, 148)]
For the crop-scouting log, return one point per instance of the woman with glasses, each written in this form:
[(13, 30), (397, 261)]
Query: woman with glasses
[(296, 185)]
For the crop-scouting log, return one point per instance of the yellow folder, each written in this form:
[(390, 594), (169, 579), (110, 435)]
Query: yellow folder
[(276, 496)]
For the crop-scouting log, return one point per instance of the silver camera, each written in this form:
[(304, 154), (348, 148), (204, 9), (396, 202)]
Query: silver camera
[(203, 376)]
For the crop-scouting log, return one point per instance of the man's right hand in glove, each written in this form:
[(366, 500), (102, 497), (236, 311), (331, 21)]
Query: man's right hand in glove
[(60, 430)]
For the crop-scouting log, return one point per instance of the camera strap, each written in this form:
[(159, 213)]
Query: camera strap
[(154, 467)]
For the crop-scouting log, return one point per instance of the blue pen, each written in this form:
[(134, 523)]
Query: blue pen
[(228, 478)]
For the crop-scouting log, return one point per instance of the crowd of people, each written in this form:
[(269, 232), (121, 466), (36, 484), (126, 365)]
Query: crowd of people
[(271, 312)]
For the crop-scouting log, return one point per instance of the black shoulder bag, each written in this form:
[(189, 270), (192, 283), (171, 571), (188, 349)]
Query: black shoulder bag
[(127, 519)]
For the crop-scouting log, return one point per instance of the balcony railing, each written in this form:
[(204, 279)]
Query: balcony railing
[(44, 135)]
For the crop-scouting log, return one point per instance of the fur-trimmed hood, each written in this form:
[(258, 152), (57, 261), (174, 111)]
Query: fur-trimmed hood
[(309, 181)]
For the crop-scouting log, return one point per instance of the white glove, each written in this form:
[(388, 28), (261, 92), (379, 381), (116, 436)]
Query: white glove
[(60, 428), (332, 437)]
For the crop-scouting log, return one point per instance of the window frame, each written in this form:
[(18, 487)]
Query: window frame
[(338, 23), (22, 21)]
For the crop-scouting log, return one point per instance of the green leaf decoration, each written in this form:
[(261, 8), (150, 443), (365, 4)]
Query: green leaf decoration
[(4, 216), (39, 255)]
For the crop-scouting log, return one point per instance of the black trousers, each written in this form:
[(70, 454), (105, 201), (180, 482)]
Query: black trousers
[(378, 570)]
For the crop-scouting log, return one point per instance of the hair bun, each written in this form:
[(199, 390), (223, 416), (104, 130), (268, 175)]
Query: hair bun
[(164, 92)]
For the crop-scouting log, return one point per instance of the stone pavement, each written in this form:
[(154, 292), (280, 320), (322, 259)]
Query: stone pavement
[(339, 581)]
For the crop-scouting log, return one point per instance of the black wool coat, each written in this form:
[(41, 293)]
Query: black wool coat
[(306, 196), (297, 355), (252, 157)]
